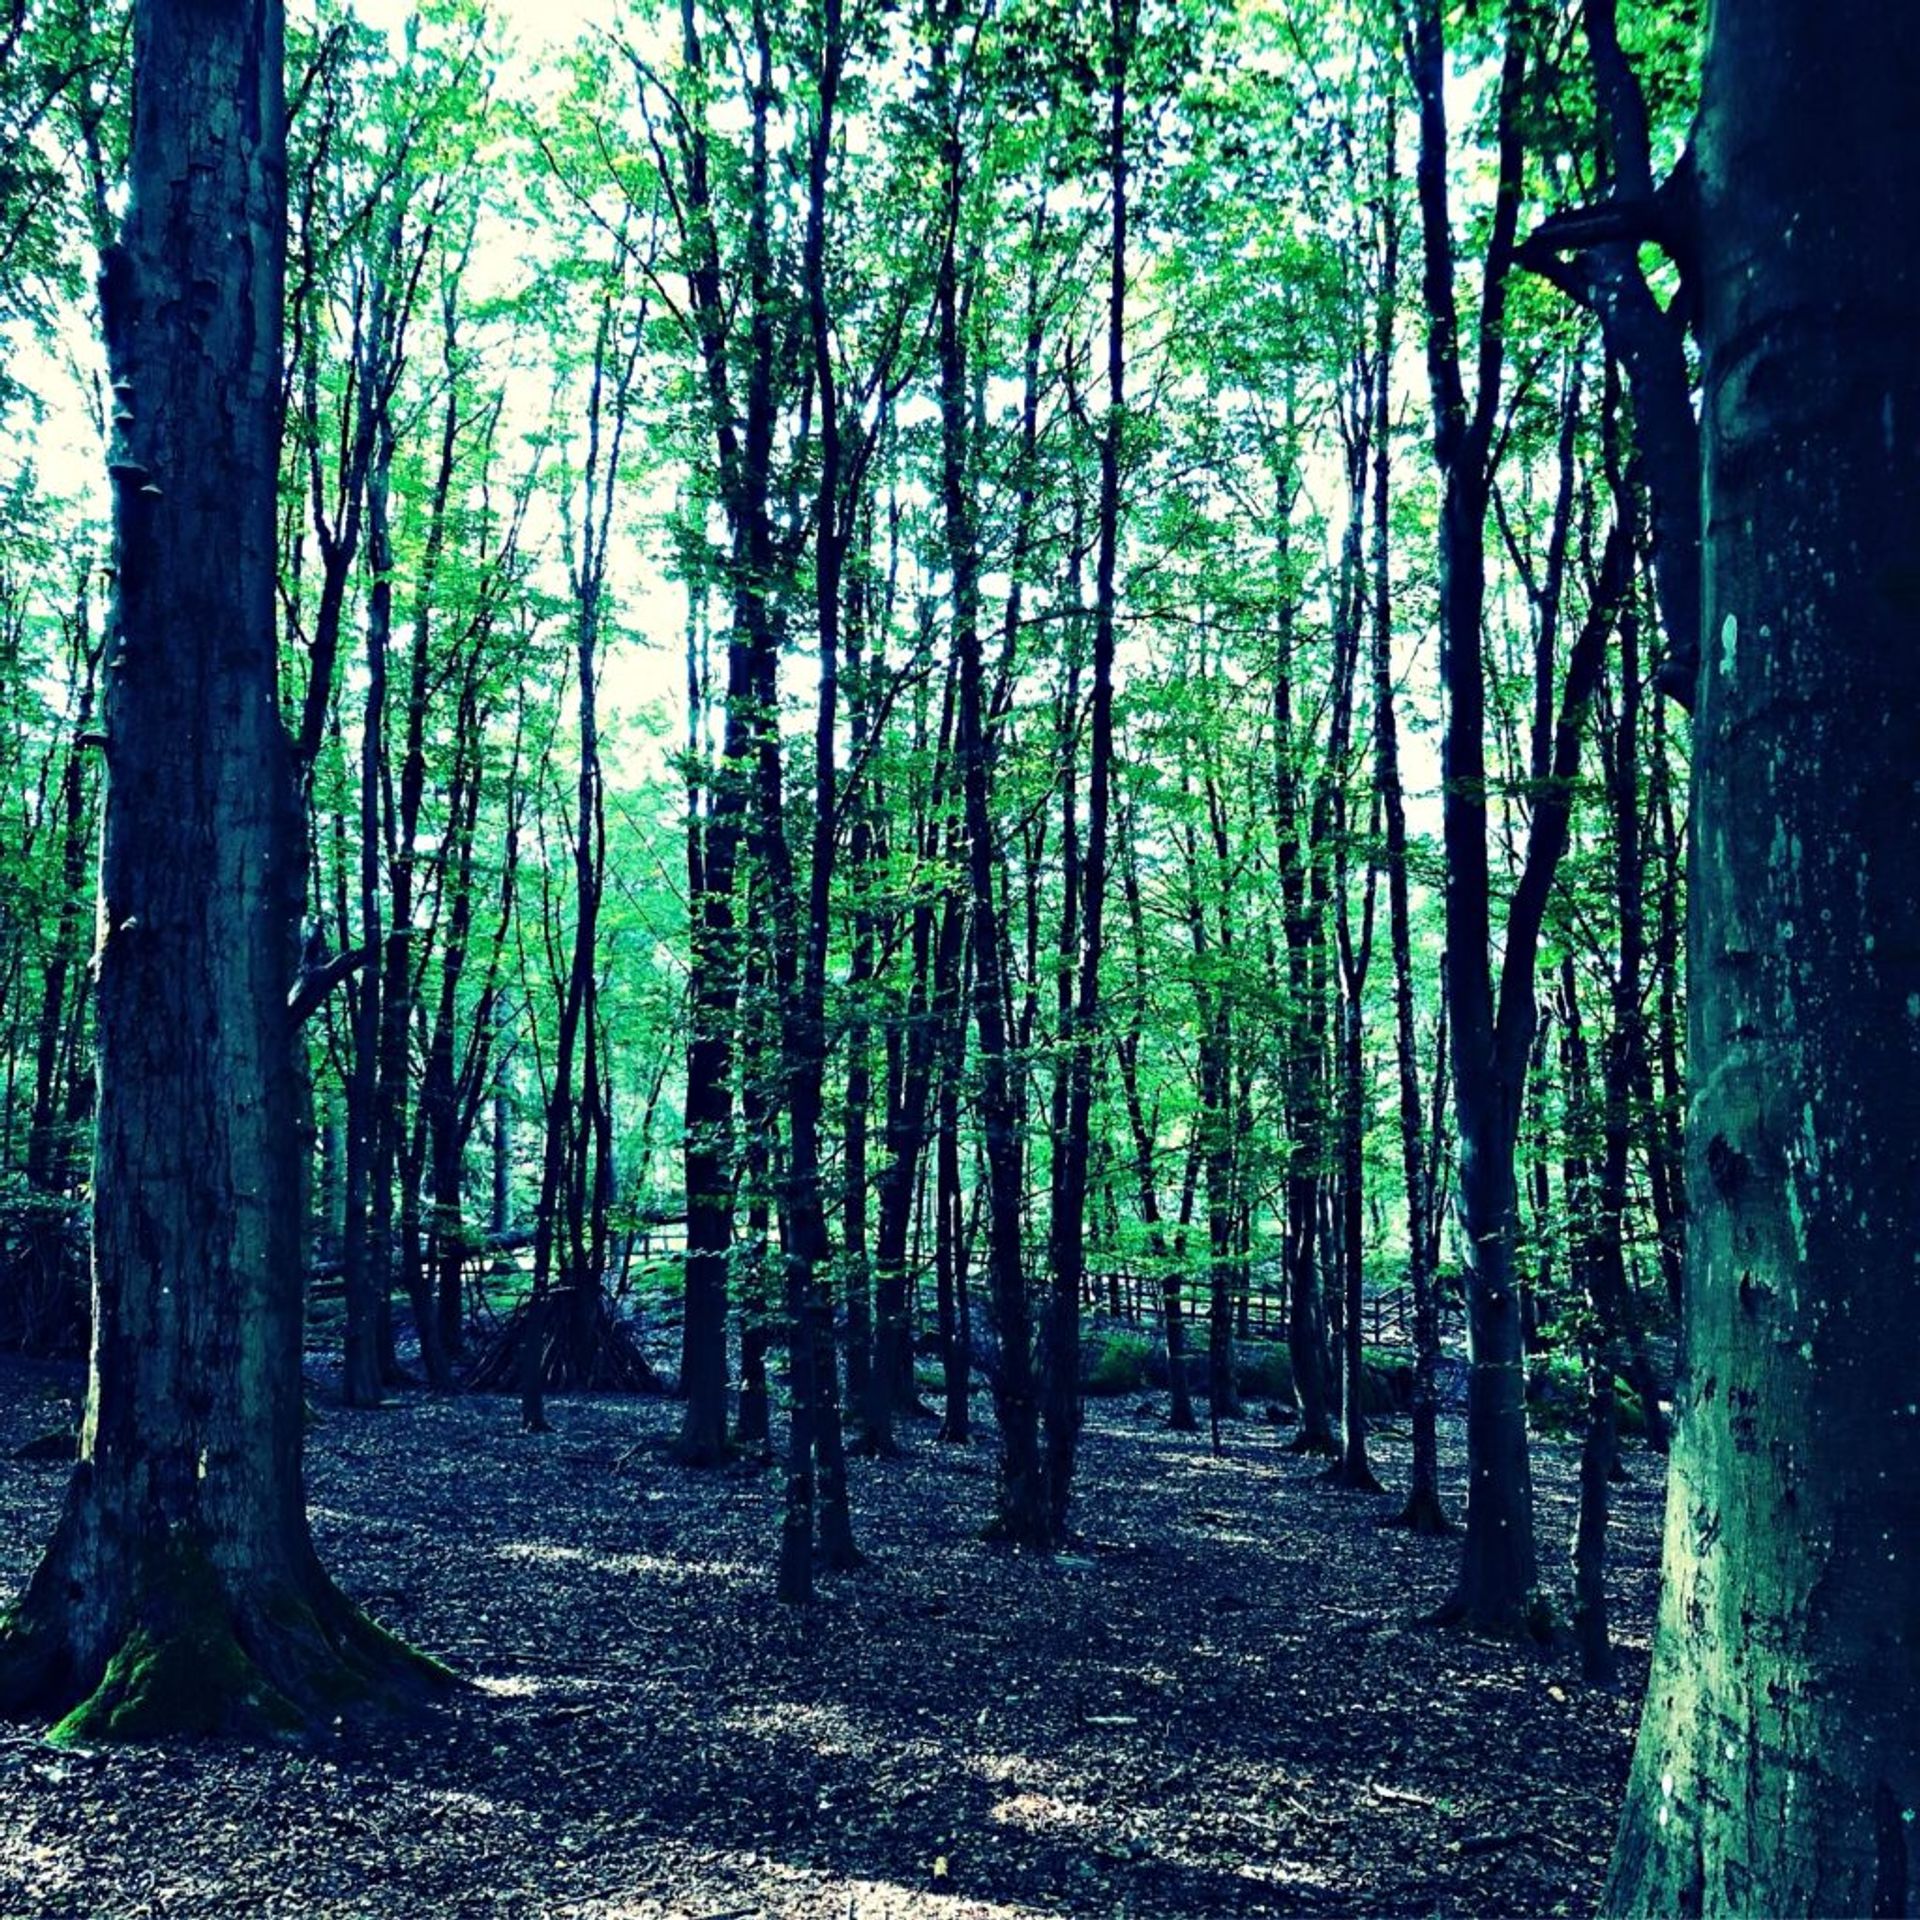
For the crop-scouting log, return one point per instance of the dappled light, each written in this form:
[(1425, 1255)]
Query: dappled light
[(1190, 1717)]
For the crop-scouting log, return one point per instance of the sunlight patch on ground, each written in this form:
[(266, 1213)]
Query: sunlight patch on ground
[(548, 1553), (453, 1800), (1023, 1776), (36, 1874), (1043, 1813), (772, 1888), (509, 1686), (1282, 1876), (648, 1565), (834, 1733), (825, 1730), (1214, 1532)]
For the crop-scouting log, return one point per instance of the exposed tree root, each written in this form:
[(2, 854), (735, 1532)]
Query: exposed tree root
[(1424, 1514), (1531, 1619), (186, 1654), (1354, 1476)]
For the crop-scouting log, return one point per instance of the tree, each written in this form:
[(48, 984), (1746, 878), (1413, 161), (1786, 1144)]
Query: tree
[(181, 1590), (1777, 1770), (1492, 1014), (1499, 1573), (1060, 1333)]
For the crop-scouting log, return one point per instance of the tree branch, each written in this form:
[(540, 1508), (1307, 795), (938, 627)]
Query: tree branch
[(319, 978)]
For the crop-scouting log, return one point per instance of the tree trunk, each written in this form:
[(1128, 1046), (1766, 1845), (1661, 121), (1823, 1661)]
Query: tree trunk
[(1353, 947), (52, 1309), (743, 444), (1021, 1510), (180, 1591), (1306, 1325), (1127, 1049), (1777, 1768), (1598, 1445), (1424, 1511), (1497, 1587), (950, 1242)]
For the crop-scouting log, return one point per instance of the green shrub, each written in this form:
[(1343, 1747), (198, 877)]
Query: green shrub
[(1264, 1369), (1389, 1378), (1114, 1362), (1557, 1400)]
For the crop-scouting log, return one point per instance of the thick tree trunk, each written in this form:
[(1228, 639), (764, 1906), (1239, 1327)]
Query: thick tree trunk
[(180, 1591), (1777, 1770)]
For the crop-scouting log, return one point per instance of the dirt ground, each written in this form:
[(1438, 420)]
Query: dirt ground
[(1218, 1703)]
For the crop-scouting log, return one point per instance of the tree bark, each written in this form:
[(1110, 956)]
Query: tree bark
[(1021, 1509), (1776, 1768), (180, 1591), (1498, 1582)]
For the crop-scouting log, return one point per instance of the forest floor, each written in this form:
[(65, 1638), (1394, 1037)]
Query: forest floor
[(1218, 1703)]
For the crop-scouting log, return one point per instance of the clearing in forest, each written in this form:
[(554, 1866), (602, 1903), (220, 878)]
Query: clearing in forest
[(1216, 1703)]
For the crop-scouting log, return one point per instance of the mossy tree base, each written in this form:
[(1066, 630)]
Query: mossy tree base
[(182, 1655)]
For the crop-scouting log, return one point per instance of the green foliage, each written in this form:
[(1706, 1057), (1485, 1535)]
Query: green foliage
[(1264, 1370), (472, 219), (1113, 1360)]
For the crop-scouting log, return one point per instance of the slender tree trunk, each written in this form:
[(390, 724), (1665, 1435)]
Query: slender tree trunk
[(1599, 1343), (743, 443), (1623, 1059), (1353, 949), (1060, 1348), (950, 1239), (54, 1310), (1127, 1049), (1424, 1511), (1498, 1586), (1306, 1326), (816, 1460), (369, 1197), (760, 1314), (1021, 1507)]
